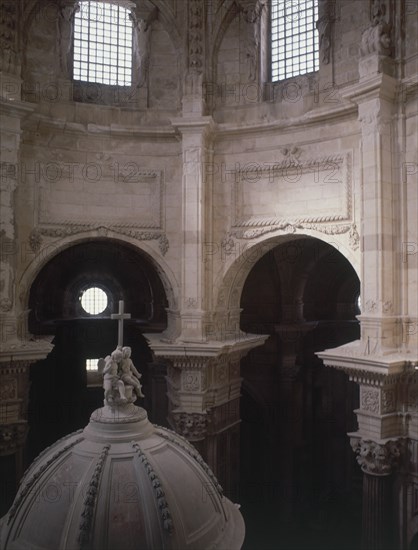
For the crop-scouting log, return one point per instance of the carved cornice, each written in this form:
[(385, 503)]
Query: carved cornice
[(377, 458), (363, 368), (24, 352)]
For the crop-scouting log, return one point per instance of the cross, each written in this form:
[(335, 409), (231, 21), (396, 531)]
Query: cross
[(120, 317)]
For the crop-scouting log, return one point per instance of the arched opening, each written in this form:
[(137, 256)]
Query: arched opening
[(71, 299), (303, 294)]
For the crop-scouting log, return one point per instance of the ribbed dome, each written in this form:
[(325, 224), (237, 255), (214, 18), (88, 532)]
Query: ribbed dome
[(121, 483)]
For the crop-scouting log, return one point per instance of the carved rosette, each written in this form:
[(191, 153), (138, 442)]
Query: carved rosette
[(377, 458), (192, 426)]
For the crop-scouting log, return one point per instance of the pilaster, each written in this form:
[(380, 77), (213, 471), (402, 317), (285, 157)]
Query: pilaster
[(196, 215)]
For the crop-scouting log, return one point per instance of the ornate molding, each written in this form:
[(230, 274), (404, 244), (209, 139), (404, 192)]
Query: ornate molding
[(377, 458), (162, 504), (334, 169), (370, 400), (196, 33), (36, 241), (90, 500), (272, 225)]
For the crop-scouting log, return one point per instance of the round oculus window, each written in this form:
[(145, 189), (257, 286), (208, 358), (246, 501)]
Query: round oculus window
[(94, 300)]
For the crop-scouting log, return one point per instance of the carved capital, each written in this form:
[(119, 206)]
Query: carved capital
[(192, 426), (377, 458), (12, 437)]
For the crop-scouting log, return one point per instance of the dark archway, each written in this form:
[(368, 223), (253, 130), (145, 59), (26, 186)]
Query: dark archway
[(61, 400), (304, 295)]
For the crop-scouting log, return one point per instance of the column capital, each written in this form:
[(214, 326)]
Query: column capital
[(377, 458), (192, 426)]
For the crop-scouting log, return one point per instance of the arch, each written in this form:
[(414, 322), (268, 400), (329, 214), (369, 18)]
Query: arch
[(49, 252), (232, 282)]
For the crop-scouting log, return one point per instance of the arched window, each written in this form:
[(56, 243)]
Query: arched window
[(103, 44), (294, 38)]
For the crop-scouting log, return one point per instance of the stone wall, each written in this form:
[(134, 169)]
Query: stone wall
[(205, 165)]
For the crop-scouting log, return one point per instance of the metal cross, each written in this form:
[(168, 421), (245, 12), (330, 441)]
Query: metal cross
[(120, 318)]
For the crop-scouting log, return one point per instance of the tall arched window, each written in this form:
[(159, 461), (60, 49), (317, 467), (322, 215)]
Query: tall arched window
[(294, 38), (103, 44)]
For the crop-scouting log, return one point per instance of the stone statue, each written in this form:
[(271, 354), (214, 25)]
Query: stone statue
[(376, 38), (65, 32), (251, 14), (113, 386), (141, 45), (324, 26), (119, 376), (129, 374)]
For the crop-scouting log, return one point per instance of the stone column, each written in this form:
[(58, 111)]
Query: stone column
[(291, 335), (203, 389), (377, 460)]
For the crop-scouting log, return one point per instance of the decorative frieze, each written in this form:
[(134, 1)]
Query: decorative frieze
[(377, 458), (36, 241)]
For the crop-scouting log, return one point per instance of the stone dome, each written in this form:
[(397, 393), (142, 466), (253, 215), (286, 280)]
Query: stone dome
[(121, 483)]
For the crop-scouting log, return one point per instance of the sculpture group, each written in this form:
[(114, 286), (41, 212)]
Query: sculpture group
[(121, 380)]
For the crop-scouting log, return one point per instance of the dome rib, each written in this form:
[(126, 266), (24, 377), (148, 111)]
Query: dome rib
[(26, 487), (162, 503), (171, 436), (90, 500)]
